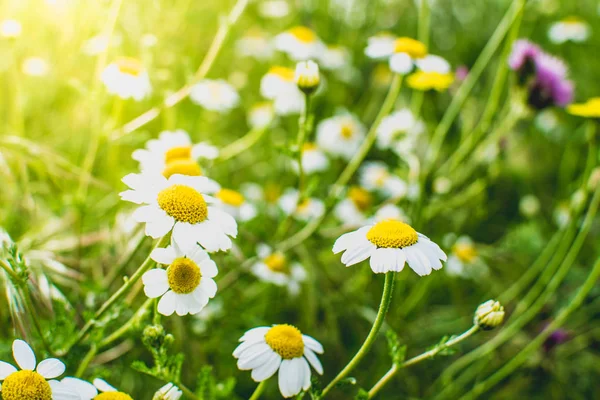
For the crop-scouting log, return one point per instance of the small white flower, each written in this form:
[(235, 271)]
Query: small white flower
[(529, 205), (402, 52), (390, 244), (127, 78), (168, 392), (351, 210), (573, 29), (35, 66), (254, 44), (235, 204), (148, 40), (186, 285), (335, 58), (261, 115), (399, 131), (181, 205), (266, 350), (433, 63), (464, 260), (33, 380), (313, 159), (215, 95), (390, 211), (299, 43), (375, 176), (99, 44), (10, 28), (275, 268), (340, 135), (278, 84), (273, 8), (308, 209), (380, 46)]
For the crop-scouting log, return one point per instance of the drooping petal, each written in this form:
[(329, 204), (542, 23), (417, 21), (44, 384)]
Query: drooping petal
[(312, 344), (267, 369), (313, 360)]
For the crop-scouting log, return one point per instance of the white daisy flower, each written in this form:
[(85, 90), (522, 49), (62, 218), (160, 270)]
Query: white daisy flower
[(273, 8), (464, 259), (261, 115), (299, 43), (33, 381), (351, 211), (87, 391), (433, 63), (335, 58), (254, 44), (399, 131), (275, 268), (215, 95), (173, 153), (99, 44), (340, 135), (127, 78), (390, 211), (572, 28), (375, 176), (308, 209), (280, 86), (234, 203), (10, 28), (390, 244), (266, 350), (402, 52), (35, 66), (313, 159), (380, 46), (180, 204), (168, 392)]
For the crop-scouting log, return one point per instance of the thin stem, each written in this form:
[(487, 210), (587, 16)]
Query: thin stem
[(128, 325), (242, 144), (187, 392), (87, 359), (258, 391), (421, 357), (13, 275), (386, 298), (302, 132)]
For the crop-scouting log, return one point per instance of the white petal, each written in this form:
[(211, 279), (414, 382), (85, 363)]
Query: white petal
[(6, 369), (358, 254), (164, 255), (182, 304), (23, 355), (255, 356), (414, 258), (344, 242), (197, 254), (51, 368), (312, 344), (313, 360), (185, 235), (267, 369), (401, 63), (208, 268), (160, 226), (156, 290), (306, 383), (225, 221), (103, 386), (211, 237), (61, 391), (167, 304), (154, 276), (426, 249), (86, 390), (208, 286), (290, 379), (255, 334)]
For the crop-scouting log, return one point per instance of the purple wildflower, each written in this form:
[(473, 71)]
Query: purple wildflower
[(522, 52), (556, 338)]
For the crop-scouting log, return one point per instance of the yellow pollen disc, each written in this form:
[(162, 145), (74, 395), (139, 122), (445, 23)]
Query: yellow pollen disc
[(272, 192), (129, 66), (26, 385), (303, 206), (422, 80), (276, 262), (465, 252), (183, 275), (113, 396), (287, 74), (347, 130), (182, 166), (410, 46), (285, 340), (309, 147), (392, 234), (230, 197), (178, 153), (360, 197), (183, 203), (303, 34)]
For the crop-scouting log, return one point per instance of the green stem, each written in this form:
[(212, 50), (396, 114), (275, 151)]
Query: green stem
[(386, 298), (302, 132), (87, 359), (13, 275), (424, 19), (187, 392), (421, 357), (128, 325), (242, 144), (259, 390)]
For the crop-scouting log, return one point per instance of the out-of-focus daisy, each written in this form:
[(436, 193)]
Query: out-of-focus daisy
[(268, 193), (572, 28), (275, 268), (351, 210), (173, 153), (464, 259), (299, 43), (547, 120), (215, 95), (254, 43), (376, 176), (33, 381), (99, 44), (87, 391), (442, 185), (186, 285), (390, 211), (433, 63), (390, 244), (529, 205), (273, 8), (35, 66), (127, 78), (340, 135), (148, 40), (278, 84), (10, 28), (562, 214), (180, 204), (424, 81), (402, 52), (399, 131), (168, 392), (306, 210), (265, 350), (234, 203), (588, 109), (380, 46), (261, 115), (313, 159), (335, 58)]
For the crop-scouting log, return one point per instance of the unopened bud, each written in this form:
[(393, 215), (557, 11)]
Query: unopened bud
[(307, 76), (168, 392), (489, 315)]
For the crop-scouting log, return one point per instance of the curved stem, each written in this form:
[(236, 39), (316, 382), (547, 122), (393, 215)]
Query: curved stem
[(386, 298), (258, 391), (242, 144)]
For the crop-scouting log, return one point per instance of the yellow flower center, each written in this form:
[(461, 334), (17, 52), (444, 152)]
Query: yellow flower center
[(272, 192), (465, 252), (183, 275), (287, 74), (392, 234), (26, 385), (381, 177), (422, 80), (309, 147), (183, 203), (178, 153), (276, 262), (303, 34), (303, 206), (347, 130), (410, 46), (360, 197), (182, 166), (285, 340), (113, 396), (129, 66), (230, 197)]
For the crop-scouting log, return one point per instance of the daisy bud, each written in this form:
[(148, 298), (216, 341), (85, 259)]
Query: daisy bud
[(168, 392), (489, 315), (307, 76)]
